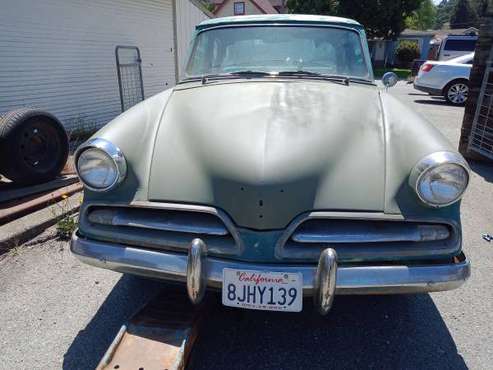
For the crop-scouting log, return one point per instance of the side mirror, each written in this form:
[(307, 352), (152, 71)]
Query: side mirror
[(389, 79)]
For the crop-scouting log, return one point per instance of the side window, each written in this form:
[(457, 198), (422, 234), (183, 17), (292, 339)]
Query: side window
[(460, 45), (239, 8)]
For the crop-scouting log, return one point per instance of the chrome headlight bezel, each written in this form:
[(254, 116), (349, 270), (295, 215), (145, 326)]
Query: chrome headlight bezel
[(113, 152), (431, 162)]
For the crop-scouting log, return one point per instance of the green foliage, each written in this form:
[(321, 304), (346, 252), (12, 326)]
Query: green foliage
[(66, 226), (463, 16), (423, 18), (407, 51), (325, 7), (381, 18), (209, 6), (444, 12), (460, 13), (402, 73)]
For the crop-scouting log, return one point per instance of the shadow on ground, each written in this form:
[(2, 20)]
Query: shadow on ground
[(436, 101), (483, 169), (127, 296), (379, 332), (361, 332)]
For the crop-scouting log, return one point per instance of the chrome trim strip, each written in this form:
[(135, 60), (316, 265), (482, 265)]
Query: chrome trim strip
[(113, 152), (385, 279), (412, 232), (432, 161), (119, 218), (86, 206), (282, 254)]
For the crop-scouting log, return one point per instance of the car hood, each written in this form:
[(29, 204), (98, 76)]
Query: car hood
[(266, 151)]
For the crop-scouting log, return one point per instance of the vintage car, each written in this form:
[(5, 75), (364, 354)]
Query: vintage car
[(276, 169)]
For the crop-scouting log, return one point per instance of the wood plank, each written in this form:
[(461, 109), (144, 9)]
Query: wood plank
[(18, 208), (10, 191)]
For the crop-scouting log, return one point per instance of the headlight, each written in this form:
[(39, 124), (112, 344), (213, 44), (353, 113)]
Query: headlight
[(100, 165), (440, 179)]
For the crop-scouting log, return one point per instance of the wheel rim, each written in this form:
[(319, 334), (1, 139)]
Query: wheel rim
[(39, 143), (457, 93)]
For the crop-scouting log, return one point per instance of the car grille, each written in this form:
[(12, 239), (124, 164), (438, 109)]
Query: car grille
[(358, 240), (164, 227)]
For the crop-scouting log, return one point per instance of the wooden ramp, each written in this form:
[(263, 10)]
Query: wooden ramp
[(159, 337)]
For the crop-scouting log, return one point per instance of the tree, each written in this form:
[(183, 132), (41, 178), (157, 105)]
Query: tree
[(444, 12), (463, 16), (325, 7), (381, 18), (423, 18)]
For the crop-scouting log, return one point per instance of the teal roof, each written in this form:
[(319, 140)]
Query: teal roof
[(278, 18)]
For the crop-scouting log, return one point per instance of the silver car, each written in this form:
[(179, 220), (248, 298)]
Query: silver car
[(449, 79)]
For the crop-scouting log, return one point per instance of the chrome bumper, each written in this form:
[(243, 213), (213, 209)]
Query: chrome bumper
[(198, 271)]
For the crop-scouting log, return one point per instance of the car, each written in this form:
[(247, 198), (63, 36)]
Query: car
[(449, 79), (454, 46), (276, 169)]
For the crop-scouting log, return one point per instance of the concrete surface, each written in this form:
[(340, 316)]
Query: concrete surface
[(58, 313)]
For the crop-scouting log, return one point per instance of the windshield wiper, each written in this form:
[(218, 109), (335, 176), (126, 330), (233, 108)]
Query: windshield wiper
[(300, 73), (236, 74), (345, 80)]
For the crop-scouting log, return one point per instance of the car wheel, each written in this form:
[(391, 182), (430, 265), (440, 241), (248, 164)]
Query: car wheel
[(33, 146), (456, 92)]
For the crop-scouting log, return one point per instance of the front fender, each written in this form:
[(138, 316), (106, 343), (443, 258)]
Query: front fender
[(408, 138), (134, 132)]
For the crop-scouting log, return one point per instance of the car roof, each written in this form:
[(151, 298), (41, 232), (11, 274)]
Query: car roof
[(279, 19)]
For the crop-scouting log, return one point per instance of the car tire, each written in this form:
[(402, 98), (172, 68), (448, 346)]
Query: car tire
[(33, 146), (456, 92)]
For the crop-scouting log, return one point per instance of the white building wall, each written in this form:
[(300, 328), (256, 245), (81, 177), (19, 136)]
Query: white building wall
[(187, 17), (59, 55)]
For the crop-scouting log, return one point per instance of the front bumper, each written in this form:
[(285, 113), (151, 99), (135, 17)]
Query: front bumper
[(371, 279)]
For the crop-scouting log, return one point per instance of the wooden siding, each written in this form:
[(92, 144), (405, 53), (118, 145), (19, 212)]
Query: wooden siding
[(59, 55), (187, 17)]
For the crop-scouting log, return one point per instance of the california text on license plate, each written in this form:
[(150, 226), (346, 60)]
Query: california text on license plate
[(263, 290)]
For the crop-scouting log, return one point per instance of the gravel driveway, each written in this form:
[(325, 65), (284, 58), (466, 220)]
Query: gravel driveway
[(57, 313)]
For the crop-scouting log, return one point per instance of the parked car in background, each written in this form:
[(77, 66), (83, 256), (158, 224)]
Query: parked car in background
[(276, 169), (454, 46), (449, 79)]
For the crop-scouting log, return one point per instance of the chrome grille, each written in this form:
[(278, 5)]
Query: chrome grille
[(367, 239), (163, 227)]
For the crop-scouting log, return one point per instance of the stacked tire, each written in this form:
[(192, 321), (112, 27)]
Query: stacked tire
[(33, 146)]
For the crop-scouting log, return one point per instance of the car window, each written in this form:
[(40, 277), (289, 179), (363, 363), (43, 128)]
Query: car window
[(326, 50), (460, 45)]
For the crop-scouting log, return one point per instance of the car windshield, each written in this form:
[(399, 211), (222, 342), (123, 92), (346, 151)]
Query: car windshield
[(274, 49)]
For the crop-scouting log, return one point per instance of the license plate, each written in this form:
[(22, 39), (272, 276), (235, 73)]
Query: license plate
[(263, 290)]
